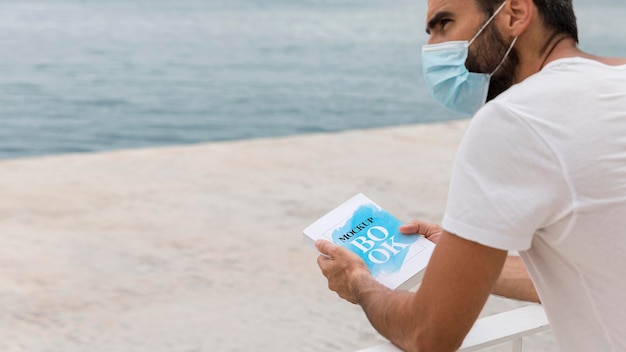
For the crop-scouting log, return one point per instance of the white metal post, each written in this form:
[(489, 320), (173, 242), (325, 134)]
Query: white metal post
[(517, 345)]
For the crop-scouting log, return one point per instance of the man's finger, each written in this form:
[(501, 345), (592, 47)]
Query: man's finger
[(419, 227), (322, 262), (415, 227), (409, 229), (325, 247)]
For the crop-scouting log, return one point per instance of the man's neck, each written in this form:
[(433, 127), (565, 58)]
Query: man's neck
[(559, 47), (534, 60)]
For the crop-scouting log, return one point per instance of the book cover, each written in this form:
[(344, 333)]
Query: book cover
[(394, 259)]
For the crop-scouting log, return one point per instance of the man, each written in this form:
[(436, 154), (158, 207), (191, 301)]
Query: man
[(541, 170)]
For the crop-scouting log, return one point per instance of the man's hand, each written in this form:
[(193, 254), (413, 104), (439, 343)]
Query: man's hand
[(343, 269), (431, 231), (346, 271)]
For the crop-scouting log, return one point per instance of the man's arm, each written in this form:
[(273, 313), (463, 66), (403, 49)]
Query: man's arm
[(459, 278), (514, 282)]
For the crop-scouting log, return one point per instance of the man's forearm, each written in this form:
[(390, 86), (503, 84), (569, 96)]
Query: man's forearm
[(460, 276), (456, 285), (514, 282), (389, 312)]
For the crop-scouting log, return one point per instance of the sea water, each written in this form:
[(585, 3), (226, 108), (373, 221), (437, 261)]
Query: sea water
[(80, 76)]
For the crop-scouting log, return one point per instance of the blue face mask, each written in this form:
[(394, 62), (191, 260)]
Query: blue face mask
[(449, 81)]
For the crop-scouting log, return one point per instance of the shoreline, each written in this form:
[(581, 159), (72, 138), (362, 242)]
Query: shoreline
[(199, 247), (169, 145)]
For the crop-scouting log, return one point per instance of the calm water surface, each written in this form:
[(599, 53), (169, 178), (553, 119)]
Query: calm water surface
[(79, 76)]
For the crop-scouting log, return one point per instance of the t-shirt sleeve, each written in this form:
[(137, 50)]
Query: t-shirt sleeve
[(506, 183)]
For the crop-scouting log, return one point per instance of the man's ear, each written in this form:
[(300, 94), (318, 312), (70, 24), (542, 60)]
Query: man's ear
[(519, 16)]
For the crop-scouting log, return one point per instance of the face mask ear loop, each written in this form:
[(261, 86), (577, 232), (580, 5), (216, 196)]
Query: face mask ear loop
[(487, 23), (504, 58)]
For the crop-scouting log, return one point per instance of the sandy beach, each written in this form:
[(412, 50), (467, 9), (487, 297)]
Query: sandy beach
[(199, 248)]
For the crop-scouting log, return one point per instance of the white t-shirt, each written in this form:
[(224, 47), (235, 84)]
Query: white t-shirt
[(542, 170)]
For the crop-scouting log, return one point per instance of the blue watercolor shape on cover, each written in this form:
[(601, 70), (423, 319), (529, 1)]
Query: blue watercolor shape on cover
[(372, 233)]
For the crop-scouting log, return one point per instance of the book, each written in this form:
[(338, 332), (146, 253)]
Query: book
[(394, 259)]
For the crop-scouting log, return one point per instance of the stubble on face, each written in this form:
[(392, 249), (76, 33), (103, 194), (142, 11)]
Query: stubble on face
[(485, 55)]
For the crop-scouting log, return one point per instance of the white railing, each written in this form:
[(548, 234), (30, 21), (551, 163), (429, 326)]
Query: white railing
[(511, 326)]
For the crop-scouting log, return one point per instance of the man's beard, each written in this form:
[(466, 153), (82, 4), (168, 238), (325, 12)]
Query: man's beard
[(488, 51)]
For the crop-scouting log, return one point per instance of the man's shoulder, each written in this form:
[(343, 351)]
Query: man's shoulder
[(555, 75), (565, 74), (558, 87)]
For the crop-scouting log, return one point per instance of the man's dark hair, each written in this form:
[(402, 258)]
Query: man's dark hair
[(556, 14)]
